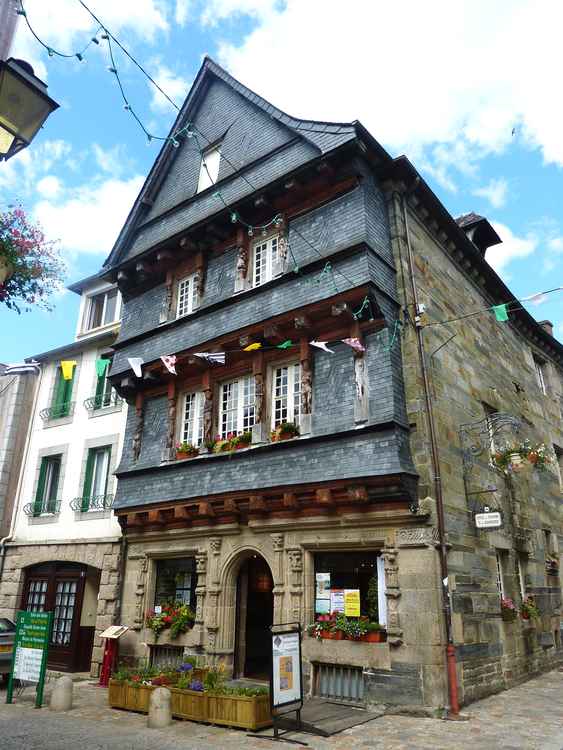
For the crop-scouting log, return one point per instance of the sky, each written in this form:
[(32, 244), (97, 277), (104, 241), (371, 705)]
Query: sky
[(468, 90)]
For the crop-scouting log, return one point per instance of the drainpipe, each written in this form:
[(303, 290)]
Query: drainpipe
[(122, 556), (435, 455)]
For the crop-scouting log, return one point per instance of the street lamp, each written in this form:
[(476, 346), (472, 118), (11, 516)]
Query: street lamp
[(24, 106)]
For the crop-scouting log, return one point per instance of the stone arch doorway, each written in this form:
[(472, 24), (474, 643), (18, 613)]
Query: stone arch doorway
[(254, 616), (70, 591)]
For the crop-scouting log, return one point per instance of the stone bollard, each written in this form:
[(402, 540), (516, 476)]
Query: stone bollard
[(160, 709), (61, 697)]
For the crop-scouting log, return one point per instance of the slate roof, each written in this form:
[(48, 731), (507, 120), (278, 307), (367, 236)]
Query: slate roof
[(468, 220), (135, 237)]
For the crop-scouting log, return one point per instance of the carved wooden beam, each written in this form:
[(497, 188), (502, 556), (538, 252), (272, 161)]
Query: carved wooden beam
[(138, 434), (182, 513), (256, 504), (290, 501), (172, 401), (156, 517), (324, 497), (358, 494)]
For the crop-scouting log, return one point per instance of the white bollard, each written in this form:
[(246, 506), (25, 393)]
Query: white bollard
[(61, 697), (160, 709)]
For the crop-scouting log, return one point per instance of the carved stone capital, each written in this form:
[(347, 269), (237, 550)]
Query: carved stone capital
[(425, 536), (277, 542), (201, 562), (295, 557), (215, 545)]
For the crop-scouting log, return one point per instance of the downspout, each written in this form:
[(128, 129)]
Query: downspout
[(435, 455)]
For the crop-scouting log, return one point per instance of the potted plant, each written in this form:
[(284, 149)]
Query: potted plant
[(285, 431), (375, 633), (176, 615), (186, 450), (508, 609), (529, 609), (241, 441), (222, 445)]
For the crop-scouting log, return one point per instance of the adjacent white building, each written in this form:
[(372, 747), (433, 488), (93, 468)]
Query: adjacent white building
[(63, 553)]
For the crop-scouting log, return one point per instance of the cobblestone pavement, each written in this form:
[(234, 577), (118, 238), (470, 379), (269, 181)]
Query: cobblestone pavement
[(528, 717)]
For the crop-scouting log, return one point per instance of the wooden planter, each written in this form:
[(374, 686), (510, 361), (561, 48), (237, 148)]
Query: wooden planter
[(239, 711), (183, 454), (130, 696), (189, 704)]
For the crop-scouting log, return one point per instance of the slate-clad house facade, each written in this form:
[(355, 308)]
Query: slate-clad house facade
[(255, 237)]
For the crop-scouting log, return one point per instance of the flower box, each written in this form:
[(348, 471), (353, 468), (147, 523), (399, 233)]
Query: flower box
[(247, 712), (185, 454), (377, 636), (189, 704), (130, 696)]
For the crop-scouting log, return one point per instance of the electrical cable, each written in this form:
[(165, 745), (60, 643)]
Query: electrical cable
[(51, 50)]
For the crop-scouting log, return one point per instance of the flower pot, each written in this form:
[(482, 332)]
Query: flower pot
[(375, 637), (327, 635), (184, 454), (508, 615)]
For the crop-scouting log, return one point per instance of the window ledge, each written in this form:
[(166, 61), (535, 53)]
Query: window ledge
[(43, 519), (347, 653), (91, 515), (104, 410), (205, 455), (98, 329)]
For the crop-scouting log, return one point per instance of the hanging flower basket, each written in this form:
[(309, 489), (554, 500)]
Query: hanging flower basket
[(516, 456), (508, 610)]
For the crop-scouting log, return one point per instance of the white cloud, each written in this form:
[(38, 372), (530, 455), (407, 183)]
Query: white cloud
[(218, 10), (88, 218), (19, 175), (469, 71), (176, 86), (181, 11), (113, 160), (555, 244), (495, 192), (49, 186), (511, 248)]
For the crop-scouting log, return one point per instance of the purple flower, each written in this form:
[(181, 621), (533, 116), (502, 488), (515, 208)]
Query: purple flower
[(185, 667)]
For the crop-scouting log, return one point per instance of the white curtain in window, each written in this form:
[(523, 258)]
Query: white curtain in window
[(381, 598)]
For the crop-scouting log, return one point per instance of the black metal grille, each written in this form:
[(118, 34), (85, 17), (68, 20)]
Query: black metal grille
[(103, 401), (45, 508), (96, 502), (57, 412)]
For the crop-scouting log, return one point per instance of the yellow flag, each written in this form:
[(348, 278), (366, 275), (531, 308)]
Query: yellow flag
[(67, 366), (252, 347)]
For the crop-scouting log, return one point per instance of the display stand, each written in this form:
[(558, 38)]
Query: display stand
[(111, 652), (31, 646), (286, 680)]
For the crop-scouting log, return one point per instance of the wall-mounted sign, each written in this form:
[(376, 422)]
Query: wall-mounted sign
[(352, 602), (286, 687), (488, 520), (31, 644), (337, 600)]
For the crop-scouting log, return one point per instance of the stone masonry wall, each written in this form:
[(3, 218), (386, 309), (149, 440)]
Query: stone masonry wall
[(486, 364)]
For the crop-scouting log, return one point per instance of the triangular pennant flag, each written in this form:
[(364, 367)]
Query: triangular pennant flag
[(170, 363), (252, 347), (101, 367), (67, 366), (135, 364), (536, 299), (285, 344), (215, 358), (355, 344), (501, 313), (322, 345)]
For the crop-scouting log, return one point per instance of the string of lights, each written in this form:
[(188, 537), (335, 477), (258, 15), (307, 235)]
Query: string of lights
[(51, 51)]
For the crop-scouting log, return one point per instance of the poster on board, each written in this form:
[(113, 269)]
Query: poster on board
[(286, 669), (322, 606), (322, 581), (337, 600), (352, 602)]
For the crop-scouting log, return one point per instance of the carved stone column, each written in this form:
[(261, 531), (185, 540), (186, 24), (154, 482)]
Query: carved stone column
[(200, 591), (295, 558), (138, 433), (213, 590), (140, 585), (278, 576), (393, 594)]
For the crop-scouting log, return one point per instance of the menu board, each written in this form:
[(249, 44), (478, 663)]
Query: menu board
[(29, 661)]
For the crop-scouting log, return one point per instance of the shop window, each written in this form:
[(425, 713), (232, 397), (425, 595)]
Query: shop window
[(176, 581), (237, 406), (339, 572), (286, 394)]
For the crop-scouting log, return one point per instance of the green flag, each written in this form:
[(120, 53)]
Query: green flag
[(285, 345), (501, 313), (101, 367)]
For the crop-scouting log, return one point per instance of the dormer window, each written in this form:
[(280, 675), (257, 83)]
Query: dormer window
[(264, 260), (101, 309), (209, 169), (187, 295)]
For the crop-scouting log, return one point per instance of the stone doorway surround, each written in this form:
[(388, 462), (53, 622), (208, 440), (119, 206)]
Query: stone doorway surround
[(103, 554)]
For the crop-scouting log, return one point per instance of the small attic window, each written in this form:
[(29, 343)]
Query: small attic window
[(209, 169)]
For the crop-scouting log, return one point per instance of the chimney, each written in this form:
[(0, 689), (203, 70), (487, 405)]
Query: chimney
[(547, 325)]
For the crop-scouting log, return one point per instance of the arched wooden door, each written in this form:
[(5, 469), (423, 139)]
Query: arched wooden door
[(59, 588)]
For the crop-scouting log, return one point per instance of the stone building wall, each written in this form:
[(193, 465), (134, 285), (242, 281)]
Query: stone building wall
[(486, 364), (100, 554)]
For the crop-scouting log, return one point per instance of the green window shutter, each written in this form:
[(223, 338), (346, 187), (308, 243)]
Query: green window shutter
[(87, 490), (38, 504), (100, 386), (51, 501), (58, 394)]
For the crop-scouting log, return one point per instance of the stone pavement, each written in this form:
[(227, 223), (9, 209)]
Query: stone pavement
[(528, 717)]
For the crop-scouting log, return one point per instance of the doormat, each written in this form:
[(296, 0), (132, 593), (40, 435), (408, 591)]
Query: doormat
[(323, 718)]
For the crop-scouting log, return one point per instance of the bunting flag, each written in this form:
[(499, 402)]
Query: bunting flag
[(322, 345), (355, 344), (501, 312), (215, 358), (252, 347), (22, 368), (170, 363), (101, 367), (536, 299), (67, 366), (285, 345), (135, 364)]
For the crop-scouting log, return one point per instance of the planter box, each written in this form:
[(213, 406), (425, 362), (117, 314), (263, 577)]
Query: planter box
[(239, 711), (189, 704), (129, 696)]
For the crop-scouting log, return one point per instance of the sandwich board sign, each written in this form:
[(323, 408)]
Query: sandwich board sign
[(31, 645)]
